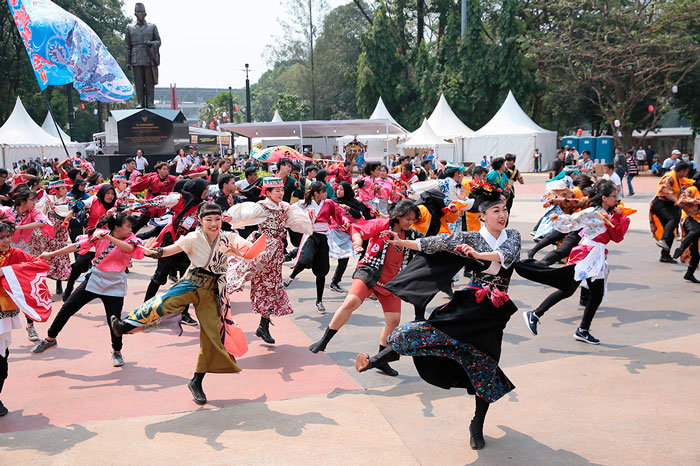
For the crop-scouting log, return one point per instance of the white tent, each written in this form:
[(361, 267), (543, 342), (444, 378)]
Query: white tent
[(447, 125), (276, 118), (50, 128), (378, 145), (22, 138), (425, 138), (511, 131)]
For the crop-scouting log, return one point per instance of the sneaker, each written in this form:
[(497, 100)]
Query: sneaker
[(3, 409), (117, 359), (43, 345), (335, 287), (287, 281), (531, 320), (677, 253), (188, 320), (321, 308), (662, 244), (585, 336), (667, 259), (31, 332)]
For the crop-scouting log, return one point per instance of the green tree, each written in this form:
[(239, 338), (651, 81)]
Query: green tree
[(219, 107), (292, 108)]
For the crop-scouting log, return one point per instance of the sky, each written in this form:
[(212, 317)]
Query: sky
[(206, 43)]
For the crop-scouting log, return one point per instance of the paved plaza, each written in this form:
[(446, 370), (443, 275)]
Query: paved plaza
[(630, 401)]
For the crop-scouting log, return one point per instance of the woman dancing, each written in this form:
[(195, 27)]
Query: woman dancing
[(272, 216), (114, 249), (381, 263), (314, 250), (689, 201), (460, 344), (203, 286), (599, 224)]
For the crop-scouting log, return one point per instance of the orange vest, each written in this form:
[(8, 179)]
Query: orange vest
[(676, 186)]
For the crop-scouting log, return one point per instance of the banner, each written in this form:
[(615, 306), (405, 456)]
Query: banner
[(63, 49), (26, 284)]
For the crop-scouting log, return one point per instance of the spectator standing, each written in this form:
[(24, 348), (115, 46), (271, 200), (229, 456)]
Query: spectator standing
[(650, 153), (611, 174), (641, 156), (538, 161), (181, 163), (585, 164), (620, 162), (558, 164), (632, 168), (141, 162)]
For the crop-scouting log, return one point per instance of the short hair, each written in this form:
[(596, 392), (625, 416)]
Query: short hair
[(680, 166), (160, 164), (250, 171), (586, 152), (371, 166), (223, 179), (7, 227), (347, 163), (284, 161), (310, 169), (296, 166), (478, 170), (4, 172), (402, 208), (510, 157), (610, 165), (497, 163), (129, 160), (426, 162), (408, 166)]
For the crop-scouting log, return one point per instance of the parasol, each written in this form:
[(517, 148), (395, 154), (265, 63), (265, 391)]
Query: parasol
[(273, 154)]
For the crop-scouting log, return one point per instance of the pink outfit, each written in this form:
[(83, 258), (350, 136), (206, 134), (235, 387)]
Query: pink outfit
[(330, 215), (114, 260), (34, 215)]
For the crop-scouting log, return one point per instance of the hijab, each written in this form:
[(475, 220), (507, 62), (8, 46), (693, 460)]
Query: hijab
[(349, 200), (104, 189)]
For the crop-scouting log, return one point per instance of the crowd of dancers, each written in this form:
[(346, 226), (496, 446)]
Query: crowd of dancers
[(414, 228)]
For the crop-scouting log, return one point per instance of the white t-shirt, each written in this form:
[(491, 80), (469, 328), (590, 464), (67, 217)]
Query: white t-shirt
[(641, 154), (141, 163), (180, 164), (615, 178)]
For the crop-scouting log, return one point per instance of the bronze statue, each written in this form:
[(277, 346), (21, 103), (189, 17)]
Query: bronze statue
[(143, 56)]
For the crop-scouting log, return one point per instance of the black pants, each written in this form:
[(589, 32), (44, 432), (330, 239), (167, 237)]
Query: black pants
[(551, 238), (141, 221), (669, 216), (77, 300), (692, 235), (82, 264), (75, 229), (340, 270), (564, 249), (3, 367), (597, 290), (314, 256)]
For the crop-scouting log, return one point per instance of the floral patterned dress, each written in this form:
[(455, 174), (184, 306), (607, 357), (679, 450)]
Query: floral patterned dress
[(59, 265), (267, 295)]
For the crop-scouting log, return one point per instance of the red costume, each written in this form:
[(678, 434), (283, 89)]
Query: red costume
[(154, 186)]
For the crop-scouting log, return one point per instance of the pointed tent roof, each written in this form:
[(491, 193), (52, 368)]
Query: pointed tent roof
[(381, 113), (277, 118), (445, 123), (424, 137), (510, 119), (21, 130), (50, 128)]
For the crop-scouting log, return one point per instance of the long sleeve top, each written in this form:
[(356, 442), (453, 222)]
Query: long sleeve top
[(325, 215), (12, 214)]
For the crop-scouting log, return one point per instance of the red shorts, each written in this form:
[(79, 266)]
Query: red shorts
[(389, 301)]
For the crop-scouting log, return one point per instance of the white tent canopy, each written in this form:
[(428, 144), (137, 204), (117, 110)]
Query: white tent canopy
[(276, 118), (381, 113), (22, 138), (445, 123), (511, 131), (424, 137), (378, 145), (50, 128)]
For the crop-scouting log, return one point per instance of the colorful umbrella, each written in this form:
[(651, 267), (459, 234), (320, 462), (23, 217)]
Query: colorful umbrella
[(273, 154)]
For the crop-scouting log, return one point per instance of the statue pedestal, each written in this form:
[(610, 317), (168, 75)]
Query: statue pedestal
[(158, 133)]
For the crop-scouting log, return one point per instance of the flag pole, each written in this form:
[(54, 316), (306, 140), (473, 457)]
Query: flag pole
[(58, 131)]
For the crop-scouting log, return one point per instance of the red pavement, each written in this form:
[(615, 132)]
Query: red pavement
[(75, 382)]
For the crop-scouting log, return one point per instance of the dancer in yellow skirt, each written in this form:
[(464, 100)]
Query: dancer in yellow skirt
[(209, 251)]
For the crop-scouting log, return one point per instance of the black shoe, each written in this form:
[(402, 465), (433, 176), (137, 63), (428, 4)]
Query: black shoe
[(677, 253), (3, 409), (380, 361), (476, 436), (263, 332), (690, 277), (387, 369), (188, 320), (59, 287), (43, 345), (531, 320), (197, 393), (668, 260), (585, 336), (335, 287), (119, 328), (320, 345)]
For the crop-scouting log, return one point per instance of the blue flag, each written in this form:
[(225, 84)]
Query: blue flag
[(62, 50)]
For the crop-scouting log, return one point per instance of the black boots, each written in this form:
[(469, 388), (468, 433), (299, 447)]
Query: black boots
[(320, 345), (59, 287), (195, 386), (119, 328), (380, 361), (263, 331), (690, 275), (476, 435)]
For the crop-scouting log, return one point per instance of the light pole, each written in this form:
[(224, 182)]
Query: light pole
[(247, 106)]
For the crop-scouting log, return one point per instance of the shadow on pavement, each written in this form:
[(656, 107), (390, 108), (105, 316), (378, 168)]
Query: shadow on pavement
[(631, 316), (257, 416), (517, 448), (637, 358), (56, 354), (51, 440), (146, 379)]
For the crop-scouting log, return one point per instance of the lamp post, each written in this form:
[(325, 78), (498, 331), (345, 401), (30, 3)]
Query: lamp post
[(71, 113), (247, 106)]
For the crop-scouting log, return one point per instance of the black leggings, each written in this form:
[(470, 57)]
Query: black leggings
[(77, 300), (317, 247), (564, 249), (669, 216), (82, 264), (550, 239), (3, 367), (597, 290), (340, 270), (692, 235)]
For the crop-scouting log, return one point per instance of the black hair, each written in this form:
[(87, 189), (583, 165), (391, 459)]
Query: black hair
[(311, 168), (7, 226), (21, 193), (510, 157), (316, 187), (583, 182), (347, 163), (407, 165), (129, 160), (498, 163), (73, 173), (283, 161), (223, 179), (402, 208), (296, 166), (425, 162), (4, 172), (32, 171), (371, 166), (250, 171), (113, 221), (680, 166), (33, 181), (610, 165), (478, 170), (321, 175), (92, 179), (586, 152), (596, 192), (210, 208)]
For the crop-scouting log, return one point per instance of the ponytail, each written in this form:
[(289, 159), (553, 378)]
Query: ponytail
[(316, 187)]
